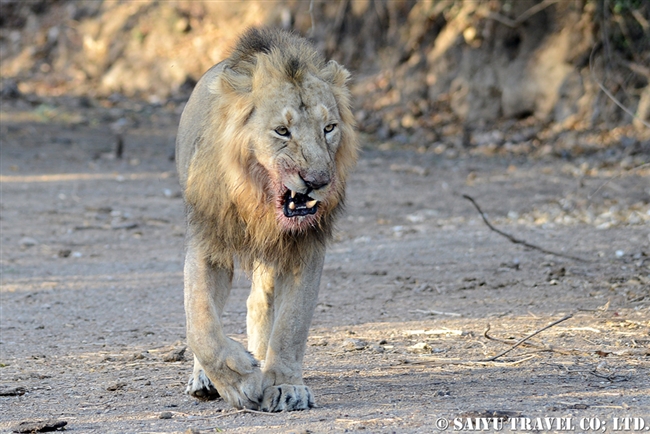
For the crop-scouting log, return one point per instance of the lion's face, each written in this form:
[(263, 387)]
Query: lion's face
[(295, 138), (265, 146)]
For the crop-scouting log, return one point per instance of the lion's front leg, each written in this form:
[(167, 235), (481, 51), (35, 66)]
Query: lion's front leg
[(296, 296), (229, 367)]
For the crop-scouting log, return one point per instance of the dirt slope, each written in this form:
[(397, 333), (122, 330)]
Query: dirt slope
[(476, 63)]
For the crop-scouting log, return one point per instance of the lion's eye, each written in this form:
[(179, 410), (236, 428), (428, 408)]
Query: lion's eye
[(329, 128), (283, 131)]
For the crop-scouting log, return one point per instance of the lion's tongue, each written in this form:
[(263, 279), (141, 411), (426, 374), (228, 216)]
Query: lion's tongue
[(298, 204)]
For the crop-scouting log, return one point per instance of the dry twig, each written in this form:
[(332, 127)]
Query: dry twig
[(516, 240), (521, 341), (541, 348), (493, 358), (608, 93), (445, 362), (524, 16), (614, 177), (312, 31)]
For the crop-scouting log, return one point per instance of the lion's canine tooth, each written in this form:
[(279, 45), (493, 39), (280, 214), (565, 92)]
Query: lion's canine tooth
[(293, 194), (311, 203), (292, 206)]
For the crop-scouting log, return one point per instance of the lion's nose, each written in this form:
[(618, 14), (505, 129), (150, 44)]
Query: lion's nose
[(314, 181)]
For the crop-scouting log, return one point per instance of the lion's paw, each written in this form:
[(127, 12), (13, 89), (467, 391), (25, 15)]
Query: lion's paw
[(233, 374), (200, 387), (287, 397), (243, 391)]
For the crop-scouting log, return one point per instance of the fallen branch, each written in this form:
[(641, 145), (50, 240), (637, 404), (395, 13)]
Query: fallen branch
[(434, 312), (612, 378), (446, 362), (543, 348), (516, 240), (616, 176), (608, 93), (516, 362), (248, 410), (521, 341), (311, 16), (524, 16)]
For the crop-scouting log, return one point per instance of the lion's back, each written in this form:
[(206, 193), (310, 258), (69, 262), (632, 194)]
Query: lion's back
[(193, 119)]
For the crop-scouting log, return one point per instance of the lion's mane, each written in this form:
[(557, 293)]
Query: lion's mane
[(228, 191)]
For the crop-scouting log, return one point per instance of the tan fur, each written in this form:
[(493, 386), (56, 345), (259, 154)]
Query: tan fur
[(225, 185), (235, 168)]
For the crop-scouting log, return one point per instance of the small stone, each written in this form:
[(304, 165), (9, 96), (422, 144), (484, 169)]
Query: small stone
[(28, 242), (116, 386), (421, 348), (556, 274), (125, 225), (12, 391), (165, 415), (354, 345), (177, 355), (32, 426), (171, 194)]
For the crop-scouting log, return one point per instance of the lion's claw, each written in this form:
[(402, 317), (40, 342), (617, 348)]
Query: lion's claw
[(200, 387), (287, 397)]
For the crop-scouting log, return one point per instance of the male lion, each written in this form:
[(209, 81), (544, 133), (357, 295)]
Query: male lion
[(263, 151)]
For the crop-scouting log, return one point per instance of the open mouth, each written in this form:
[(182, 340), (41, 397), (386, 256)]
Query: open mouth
[(298, 204)]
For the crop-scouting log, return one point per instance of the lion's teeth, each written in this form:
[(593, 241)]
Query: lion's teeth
[(293, 194), (292, 206), (311, 203)]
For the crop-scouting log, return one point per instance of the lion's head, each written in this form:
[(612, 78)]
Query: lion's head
[(280, 142)]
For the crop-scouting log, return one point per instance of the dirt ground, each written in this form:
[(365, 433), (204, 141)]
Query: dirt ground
[(92, 322)]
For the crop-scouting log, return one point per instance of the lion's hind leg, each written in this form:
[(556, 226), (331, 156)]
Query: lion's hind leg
[(259, 318), (199, 385)]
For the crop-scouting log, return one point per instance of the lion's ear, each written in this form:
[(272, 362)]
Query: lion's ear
[(230, 81), (335, 74)]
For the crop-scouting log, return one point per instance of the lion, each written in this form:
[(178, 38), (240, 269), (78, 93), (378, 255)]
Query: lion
[(264, 148)]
